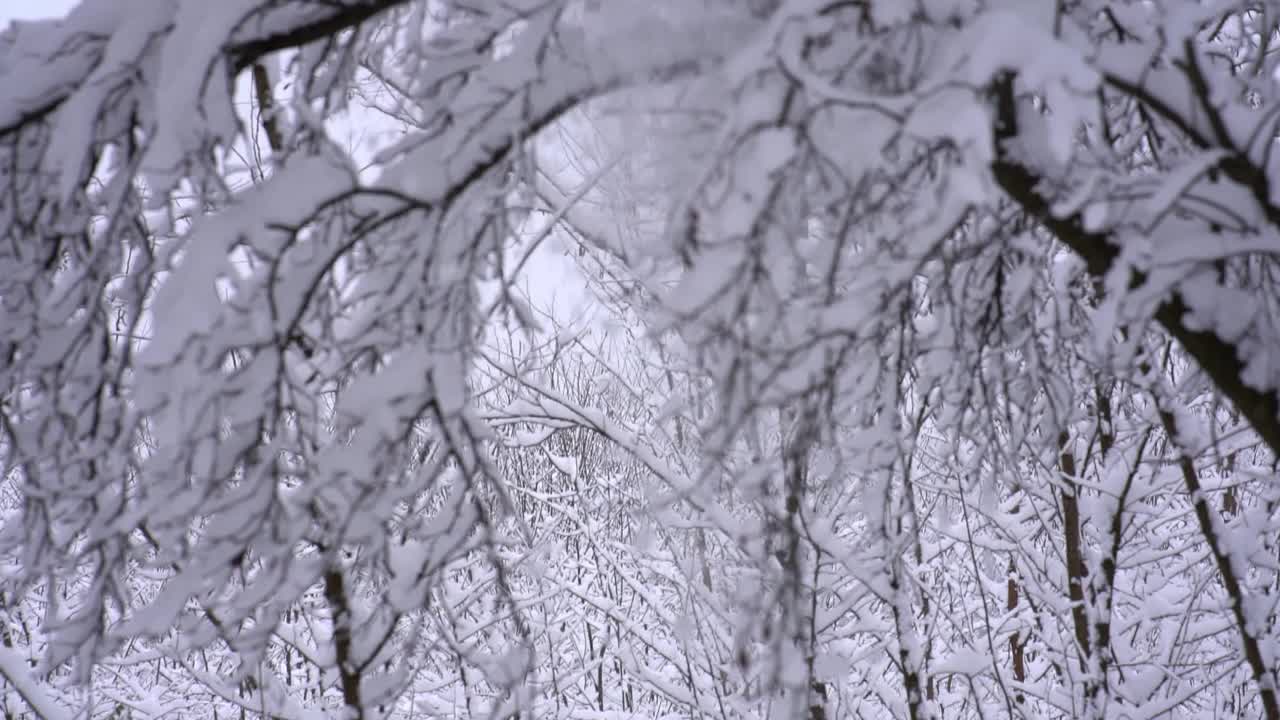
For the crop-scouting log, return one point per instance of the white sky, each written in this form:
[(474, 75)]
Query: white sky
[(11, 10)]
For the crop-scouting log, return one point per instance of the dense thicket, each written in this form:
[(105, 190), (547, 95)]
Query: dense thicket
[(930, 365)]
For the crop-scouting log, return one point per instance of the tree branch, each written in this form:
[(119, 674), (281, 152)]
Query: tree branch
[(1218, 358)]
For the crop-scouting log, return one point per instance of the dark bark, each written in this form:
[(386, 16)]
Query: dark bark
[(341, 16), (267, 108), (1220, 360), (335, 593), (1235, 591), (1015, 642), (1073, 547)]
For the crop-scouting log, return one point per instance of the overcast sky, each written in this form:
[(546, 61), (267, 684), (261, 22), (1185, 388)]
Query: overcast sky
[(33, 9)]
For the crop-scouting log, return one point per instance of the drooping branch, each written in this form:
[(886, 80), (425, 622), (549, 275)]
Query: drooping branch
[(316, 21), (1253, 652), (1221, 360), (1218, 358)]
